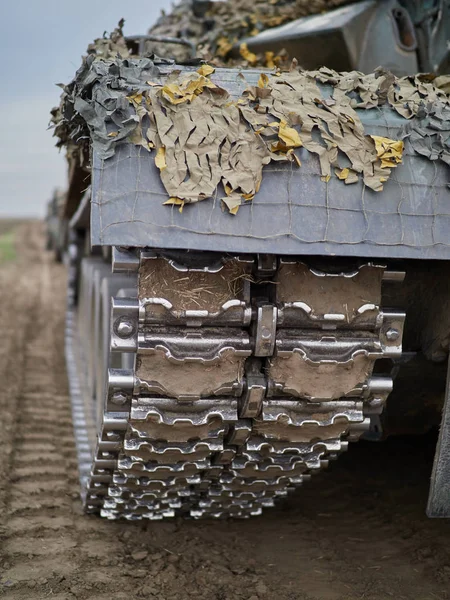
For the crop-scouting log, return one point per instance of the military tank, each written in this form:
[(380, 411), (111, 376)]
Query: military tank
[(245, 239), (56, 225)]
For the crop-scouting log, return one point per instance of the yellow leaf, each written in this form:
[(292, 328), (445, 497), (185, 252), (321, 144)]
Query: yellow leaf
[(135, 98), (206, 70), (389, 151), (187, 90), (175, 201), (278, 147), (223, 46), (250, 57), (171, 92), (342, 174), (113, 134), (268, 60), (263, 80), (228, 189), (160, 158), (248, 196), (326, 178), (274, 21), (289, 136)]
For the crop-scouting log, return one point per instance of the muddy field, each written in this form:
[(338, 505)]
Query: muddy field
[(356, 531)]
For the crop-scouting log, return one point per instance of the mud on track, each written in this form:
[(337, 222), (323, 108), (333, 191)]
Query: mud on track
[(356, 531)]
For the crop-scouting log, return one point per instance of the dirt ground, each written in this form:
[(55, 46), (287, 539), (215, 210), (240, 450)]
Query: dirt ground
[(356, 531)]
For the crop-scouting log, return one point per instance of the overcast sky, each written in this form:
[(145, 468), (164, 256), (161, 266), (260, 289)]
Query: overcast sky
[(41, 42)]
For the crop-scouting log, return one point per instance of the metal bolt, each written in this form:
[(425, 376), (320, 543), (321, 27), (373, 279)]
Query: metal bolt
[(376, 402), (106, 455), (119, 398), (113, 436), (392, 334), (125, 327), (265, 333)]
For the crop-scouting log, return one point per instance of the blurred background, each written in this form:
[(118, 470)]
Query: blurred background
[(41, 44)]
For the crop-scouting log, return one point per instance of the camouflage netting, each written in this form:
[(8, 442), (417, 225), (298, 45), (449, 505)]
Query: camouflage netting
[(216, 26), (202, 138)]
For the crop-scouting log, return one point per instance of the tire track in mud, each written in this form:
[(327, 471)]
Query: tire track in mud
[(16, 307), (38, 512)]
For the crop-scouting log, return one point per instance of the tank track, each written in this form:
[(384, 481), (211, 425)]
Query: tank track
[(247, 380)]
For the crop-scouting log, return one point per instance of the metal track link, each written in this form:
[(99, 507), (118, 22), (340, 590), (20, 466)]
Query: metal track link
[(251, 375)]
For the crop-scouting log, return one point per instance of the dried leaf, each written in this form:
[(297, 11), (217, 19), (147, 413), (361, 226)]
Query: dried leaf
[(279, 147), (186, 89), (250, 57), (223, 46), (175, 201), (263, 80), (342, 173), (228, 189), (289, 135), (206, 70), (388, 151), (248, 197), (135, 98), (160, 158), (269, 60)]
